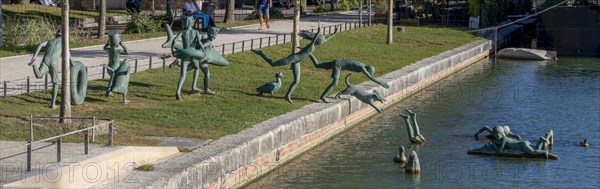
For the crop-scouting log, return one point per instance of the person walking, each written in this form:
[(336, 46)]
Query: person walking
[(263, 9)]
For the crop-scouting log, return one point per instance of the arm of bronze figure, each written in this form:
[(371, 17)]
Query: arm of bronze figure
[(108, 67), (331, 36), (125, 50), (105, 47), (516, 136), (314, 60), (173, 42), (38, 49)]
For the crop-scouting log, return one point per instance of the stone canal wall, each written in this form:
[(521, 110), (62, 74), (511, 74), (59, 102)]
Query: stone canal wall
[(235, 160)]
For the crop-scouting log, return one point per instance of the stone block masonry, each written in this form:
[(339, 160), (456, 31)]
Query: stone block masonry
[(235, 160)]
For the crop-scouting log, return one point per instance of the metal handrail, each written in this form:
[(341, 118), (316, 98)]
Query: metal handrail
[(58, 138)]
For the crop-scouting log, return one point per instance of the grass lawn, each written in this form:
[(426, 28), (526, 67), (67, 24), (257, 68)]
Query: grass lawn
[(153, 110)]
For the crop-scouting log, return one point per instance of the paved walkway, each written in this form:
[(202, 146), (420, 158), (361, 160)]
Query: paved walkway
[(15, 69)]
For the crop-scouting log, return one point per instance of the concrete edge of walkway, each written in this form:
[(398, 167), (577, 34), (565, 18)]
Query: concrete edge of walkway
[(235, 160)]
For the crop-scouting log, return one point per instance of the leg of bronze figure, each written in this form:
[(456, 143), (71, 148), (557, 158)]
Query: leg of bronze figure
[(329, 88), (54, 94), (195, 80), (39, 72), (296, 72), (206, 72), (385, 85), (409, 129), (264, 56), (182, 73)]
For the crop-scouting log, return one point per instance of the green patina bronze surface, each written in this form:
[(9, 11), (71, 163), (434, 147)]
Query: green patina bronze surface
[(503, 143), (50, 65), (296, 58), (114, 53), (195, 53), (271, 87), (361, 94), (414, 134), (336, 68), (119, 81)]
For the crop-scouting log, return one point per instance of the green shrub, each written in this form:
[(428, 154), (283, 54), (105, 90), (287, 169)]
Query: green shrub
[(273, 14), (144, 23), (474, 7), (21, 31), (145, 167)]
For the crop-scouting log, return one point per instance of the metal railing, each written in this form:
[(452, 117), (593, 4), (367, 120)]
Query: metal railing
[(28, 84), (87, 131)]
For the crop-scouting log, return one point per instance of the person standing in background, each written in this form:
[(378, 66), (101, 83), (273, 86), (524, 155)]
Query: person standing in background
[(263, 9)]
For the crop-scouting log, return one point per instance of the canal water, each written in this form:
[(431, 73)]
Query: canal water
[(531, 97)]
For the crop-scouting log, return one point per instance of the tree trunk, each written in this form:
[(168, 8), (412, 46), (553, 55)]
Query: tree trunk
[(303, 10), (370, 12), (360, 12), (229, 11), (390, 22), (1, 34), (102, 23), (65, 101), (169, 11), (332, 2), (295, 37)]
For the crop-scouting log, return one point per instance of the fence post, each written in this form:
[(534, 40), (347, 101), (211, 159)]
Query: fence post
[(86, 141), (329, 29), (110, 133), (93, 129), (277, 39), (46, 82), (103, 72), (284, 36), (135, 68), (150, 65), (28, 84), (164, 59), (233, 48), (260, 45), (243, 45), (29, 147), (5, 83), (269, 42), (58, 148), (223, 50), (251, 44)]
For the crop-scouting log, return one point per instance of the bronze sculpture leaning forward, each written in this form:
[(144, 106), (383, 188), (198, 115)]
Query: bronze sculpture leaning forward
[(336, 67), (361, 94)]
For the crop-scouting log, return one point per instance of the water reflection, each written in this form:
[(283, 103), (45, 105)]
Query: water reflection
[(530, 97)]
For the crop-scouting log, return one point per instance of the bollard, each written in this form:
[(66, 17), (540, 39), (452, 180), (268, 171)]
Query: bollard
[(260, 45), (46, 82), (243, 45), (233, 48), (150, 65), (86, 142), (110, 133), (58, 148), (135, 68), (28, 83)]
